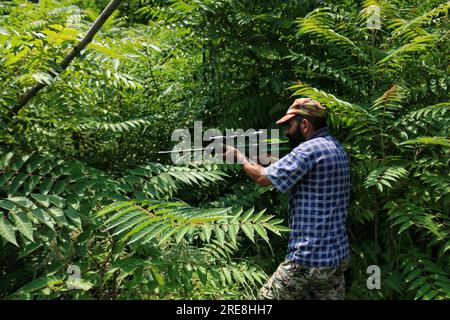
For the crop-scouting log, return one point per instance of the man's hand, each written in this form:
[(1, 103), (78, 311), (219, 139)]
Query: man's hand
[(233, 154)]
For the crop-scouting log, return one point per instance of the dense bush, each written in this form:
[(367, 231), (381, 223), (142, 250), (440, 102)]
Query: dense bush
[(84, 190)]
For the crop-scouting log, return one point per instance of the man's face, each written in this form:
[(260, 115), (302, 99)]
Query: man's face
[(294, 133)]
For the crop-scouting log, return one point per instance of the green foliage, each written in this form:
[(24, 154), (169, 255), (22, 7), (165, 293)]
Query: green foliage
[(142, 221), (51, 203), (397, 142), (82, 185)]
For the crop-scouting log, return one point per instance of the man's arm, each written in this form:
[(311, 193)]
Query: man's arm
[(284, 173), (253, 170)]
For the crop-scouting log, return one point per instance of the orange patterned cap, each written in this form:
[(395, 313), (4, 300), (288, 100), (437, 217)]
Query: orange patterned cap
[(304, 106)]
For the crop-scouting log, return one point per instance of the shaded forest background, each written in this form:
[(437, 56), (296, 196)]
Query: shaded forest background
[(85, 195)]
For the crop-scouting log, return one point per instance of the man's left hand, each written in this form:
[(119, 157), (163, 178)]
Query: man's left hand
[(231, 153)]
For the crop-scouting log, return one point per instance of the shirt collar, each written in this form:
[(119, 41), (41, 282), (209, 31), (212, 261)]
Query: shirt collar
[(320, 133)]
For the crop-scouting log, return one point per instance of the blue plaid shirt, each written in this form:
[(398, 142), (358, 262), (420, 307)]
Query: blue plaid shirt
[(317, 175)]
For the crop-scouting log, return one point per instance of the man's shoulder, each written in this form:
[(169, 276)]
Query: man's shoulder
[(315, 144), (319, 147)]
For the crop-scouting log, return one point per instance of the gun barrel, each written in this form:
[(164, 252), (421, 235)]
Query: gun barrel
[(211, 147), (236, 135)]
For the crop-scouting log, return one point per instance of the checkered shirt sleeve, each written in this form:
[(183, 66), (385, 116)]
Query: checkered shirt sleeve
[(286, 172)]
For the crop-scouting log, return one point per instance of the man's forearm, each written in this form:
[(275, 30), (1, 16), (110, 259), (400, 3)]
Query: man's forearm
[(254, 171)]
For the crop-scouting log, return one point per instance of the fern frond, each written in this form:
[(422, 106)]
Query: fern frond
[(318, 23), (398, 56), (442, 141), (323, 69), (404, 214), (407, 29), (389, 102), (161, 181), (387, 10), (335, 104), (42, 192), (384, 176), (431, 111), (439, 183), (123, 126), (242, 274), (427, 279), (243, 194), (143, 221)]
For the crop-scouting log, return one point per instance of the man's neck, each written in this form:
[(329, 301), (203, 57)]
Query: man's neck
[(319, 133)]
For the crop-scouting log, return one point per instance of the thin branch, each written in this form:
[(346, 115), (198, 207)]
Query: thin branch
[(110, 8)]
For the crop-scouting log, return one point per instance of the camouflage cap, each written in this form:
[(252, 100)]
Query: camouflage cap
[(304, 106)]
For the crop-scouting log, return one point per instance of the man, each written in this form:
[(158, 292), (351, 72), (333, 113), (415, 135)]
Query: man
[(316, 175)]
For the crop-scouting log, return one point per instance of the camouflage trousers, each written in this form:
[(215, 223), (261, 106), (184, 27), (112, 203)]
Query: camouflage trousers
[(292, 281)]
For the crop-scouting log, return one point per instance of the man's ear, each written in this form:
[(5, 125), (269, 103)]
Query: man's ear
[(304, 124)]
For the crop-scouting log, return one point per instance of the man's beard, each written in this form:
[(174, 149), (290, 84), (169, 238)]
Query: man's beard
[(296, 138)]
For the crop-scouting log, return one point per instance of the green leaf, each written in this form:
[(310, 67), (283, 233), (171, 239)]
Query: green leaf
[(207, 230), (227, 275), (443, 141), (79, 284), (122, 219), (6, 204), (232, 232), (181, 233), (157, 275), (202, 274), (57, 201), (433, 268), (7, 230), (42, 199), (220, 234), (44, 217), (423, 290), (19, 162), (22, 201), (32, 183), (141, 230), (59, 187), (447, 246), (59, 216), (24, 225), (33, 165), (121, 213), (262, 232), (16, 183), (431, 294), (6, 160), (113, 207), (39, 284), (156, 231), (43, 77), (413, 275), (238, 276), (5, 177), (46, 186), (248, 230), (73, 216), (405, 226), (30, 248), (247, 214)]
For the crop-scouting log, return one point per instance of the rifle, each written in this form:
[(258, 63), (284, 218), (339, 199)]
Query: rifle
[(269, 145)]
